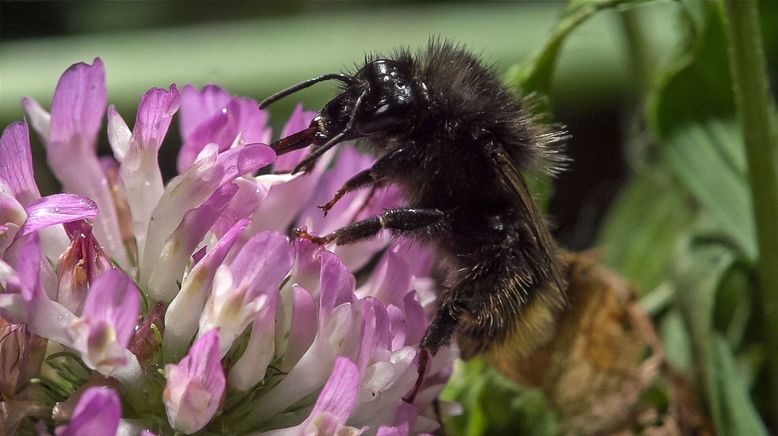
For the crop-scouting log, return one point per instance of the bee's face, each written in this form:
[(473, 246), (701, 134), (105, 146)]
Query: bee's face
[(387, 107)]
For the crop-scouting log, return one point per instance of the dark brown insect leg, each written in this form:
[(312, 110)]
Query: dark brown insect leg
[(372, 176)]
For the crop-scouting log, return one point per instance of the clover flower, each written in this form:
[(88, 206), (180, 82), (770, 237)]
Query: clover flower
[(130, 305)]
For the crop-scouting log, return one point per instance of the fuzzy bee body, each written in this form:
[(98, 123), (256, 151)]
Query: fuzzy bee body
[(456, 140)]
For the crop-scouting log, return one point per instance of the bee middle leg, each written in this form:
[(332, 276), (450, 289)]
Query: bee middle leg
[(373, 176), (397, 220)]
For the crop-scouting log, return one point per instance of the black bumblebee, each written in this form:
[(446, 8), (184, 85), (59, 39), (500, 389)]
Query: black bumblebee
[(456, 140)]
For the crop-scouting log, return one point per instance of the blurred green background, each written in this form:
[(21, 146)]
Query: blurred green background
[(658, 179)]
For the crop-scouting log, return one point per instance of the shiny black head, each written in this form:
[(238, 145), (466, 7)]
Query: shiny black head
[(381, 99)]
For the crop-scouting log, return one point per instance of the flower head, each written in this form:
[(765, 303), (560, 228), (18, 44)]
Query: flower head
[(184, 298)]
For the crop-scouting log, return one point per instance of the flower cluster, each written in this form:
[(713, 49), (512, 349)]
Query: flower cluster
[(137, 306)]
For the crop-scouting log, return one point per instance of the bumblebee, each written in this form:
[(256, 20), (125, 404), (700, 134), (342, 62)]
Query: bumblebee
[(456, 140)]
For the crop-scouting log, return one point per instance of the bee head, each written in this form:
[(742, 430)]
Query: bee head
[(389, 105), (379, 100)]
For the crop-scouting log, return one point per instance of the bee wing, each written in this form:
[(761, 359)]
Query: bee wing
[(512, 178)]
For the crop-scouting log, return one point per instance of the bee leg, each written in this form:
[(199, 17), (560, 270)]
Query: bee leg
[(362, 179), (439, 334), (396, 220), (372, 176)]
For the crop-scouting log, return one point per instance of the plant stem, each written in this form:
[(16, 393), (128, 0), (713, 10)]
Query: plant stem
[(754, 108), (639, 51)]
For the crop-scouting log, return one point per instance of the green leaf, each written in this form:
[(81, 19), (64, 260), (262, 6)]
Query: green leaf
[(494, 405), (676, 340), (737, 411), (697, 85), (692, 113), (641, 231), (735, 305), (707, 158), (701, 269), (535, 75)]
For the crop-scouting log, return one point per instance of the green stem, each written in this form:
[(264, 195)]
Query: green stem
[(639, 51), (754, 108)]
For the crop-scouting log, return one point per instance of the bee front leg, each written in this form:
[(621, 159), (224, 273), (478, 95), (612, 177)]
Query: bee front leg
[(396, 220), (373, 176), (362, 179)]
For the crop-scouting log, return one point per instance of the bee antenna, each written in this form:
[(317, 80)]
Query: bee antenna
[(345, 78), (315, 154)]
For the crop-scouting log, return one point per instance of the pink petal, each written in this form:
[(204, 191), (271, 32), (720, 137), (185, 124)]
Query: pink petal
[(339, 395), (203, 362), (57, 209), (383, 328), (307, 265), (16, 163), (252, 365), (76, 115), (118, 134), (38, 118), (115, 299), (250, 194), (337, 284), (12, 218), (220, 129), (388, 377), (334, 406), (78, 104), (253, 121), (215, 117), (389, 281), (26, 259), (262, 264), (13, 307), (242, 291), (397, 321), (195, 385), (405, 419), (302, 329), (183, 313), (419, 258), (170, 266), (140, 171), (44, 317), (191, 189), (198, 255), (334, 338), (198, 106), (155, 113), (415, 319), (97, 413), (372, 332)]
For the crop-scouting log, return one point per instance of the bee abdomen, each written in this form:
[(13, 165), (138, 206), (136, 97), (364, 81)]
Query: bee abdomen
[(504, 300)]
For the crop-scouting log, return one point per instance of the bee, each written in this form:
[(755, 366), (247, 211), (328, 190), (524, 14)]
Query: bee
[(456, 140)]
